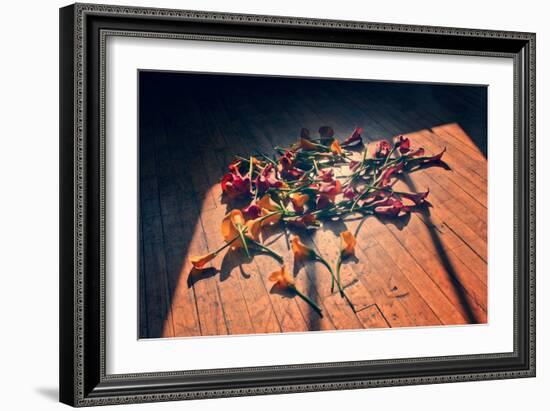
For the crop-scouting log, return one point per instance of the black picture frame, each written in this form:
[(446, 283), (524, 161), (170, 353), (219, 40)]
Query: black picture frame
[(83, 30)]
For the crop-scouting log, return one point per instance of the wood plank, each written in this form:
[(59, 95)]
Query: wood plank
[(456, 281), (371, 317), (424, 284), (156, 283)]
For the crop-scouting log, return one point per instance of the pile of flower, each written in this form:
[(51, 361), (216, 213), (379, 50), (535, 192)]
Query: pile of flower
[(311, 181)]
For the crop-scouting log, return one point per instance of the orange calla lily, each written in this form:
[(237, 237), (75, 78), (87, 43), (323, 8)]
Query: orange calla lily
[(199, 261), (267, 203), (305, 144), (347, 244), (282, 278), (301, 250), (254, 228), (230, 224), (273, 219), (335, 147), (298, 200)]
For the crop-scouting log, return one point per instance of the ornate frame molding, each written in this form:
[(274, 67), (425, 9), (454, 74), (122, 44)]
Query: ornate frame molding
[(83, 378)]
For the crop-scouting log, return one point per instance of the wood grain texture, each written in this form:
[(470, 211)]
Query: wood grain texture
[(427, 270)]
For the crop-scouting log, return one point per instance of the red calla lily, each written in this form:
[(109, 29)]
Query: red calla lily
[(354, 139), (404, 145), (381, 149), (392, 208), (385, 177)]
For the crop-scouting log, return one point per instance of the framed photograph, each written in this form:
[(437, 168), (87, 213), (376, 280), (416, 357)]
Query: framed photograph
[(261, 204)]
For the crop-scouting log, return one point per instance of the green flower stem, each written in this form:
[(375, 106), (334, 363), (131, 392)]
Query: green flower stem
[(338, 266), (308, 300), (243, 239), (267, 250), (329, 268), (226, 245), (270, 214)]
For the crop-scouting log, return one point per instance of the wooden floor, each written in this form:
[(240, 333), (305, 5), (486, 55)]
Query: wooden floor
[(427, 270)]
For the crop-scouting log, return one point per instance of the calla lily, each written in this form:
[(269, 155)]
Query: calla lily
[(330, 189), (252, 211), (200, 261), (254, 228), (414, 199), (322, 201), (336, 148), (347, 249), (270, 218), (327, 175), (385, 177), (298, 201), (354, 139), (381, 149), (393, 208), (282, 278), (404, 144), (286, 167), (434, 158), (232, 224), (300, 250), (234, 185), (267, 202), (347, 243), (267, 179)]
